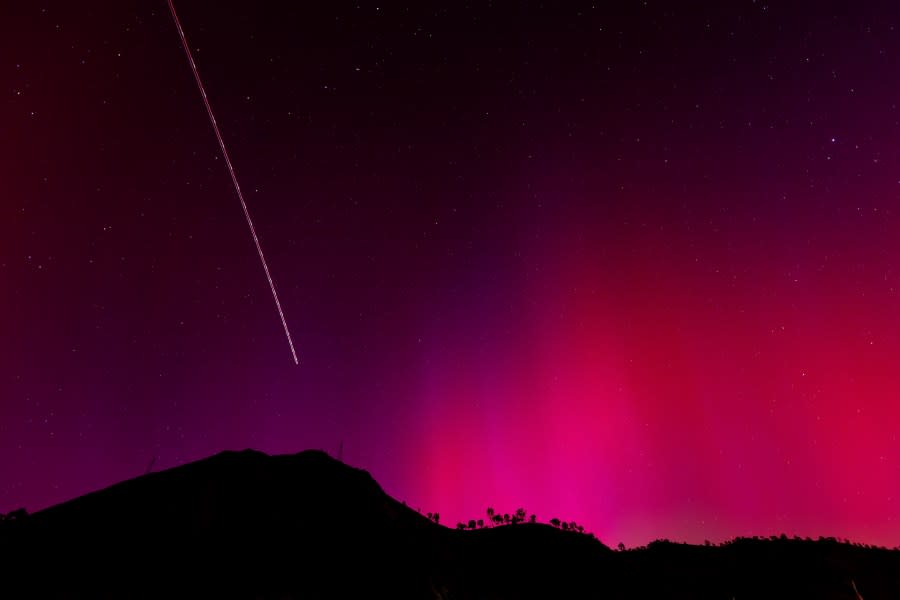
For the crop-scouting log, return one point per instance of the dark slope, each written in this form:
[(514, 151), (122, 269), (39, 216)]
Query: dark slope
[(243, 524), (236, 522), (749, 568)]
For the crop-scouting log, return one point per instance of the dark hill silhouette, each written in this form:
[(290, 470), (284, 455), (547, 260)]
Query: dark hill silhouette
[(244, 524)]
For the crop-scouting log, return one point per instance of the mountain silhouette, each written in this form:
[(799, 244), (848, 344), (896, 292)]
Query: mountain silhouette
[(245, 524)]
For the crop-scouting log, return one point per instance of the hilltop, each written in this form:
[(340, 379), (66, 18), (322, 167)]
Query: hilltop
[(245, 524)]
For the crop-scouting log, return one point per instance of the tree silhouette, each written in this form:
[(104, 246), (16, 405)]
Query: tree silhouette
[(555, 522), (480, 523), (471, 523), (532, 519), (490, 514), (621, 547)]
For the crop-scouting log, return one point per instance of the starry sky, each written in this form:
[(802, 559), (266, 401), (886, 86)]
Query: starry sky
[(634, 264)]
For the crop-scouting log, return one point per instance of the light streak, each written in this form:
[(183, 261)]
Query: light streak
[(237, 187)]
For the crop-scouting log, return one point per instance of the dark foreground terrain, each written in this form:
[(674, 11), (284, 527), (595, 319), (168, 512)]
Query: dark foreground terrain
[(244, 524)]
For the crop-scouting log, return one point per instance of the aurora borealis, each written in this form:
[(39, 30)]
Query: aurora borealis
[(634, 265)]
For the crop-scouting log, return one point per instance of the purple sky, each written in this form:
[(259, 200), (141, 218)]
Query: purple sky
[(634, 265)]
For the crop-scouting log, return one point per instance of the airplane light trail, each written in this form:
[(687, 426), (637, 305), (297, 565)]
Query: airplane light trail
[(237, 187)]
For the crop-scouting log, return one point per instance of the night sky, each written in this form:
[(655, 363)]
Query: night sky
[(635, 264)]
